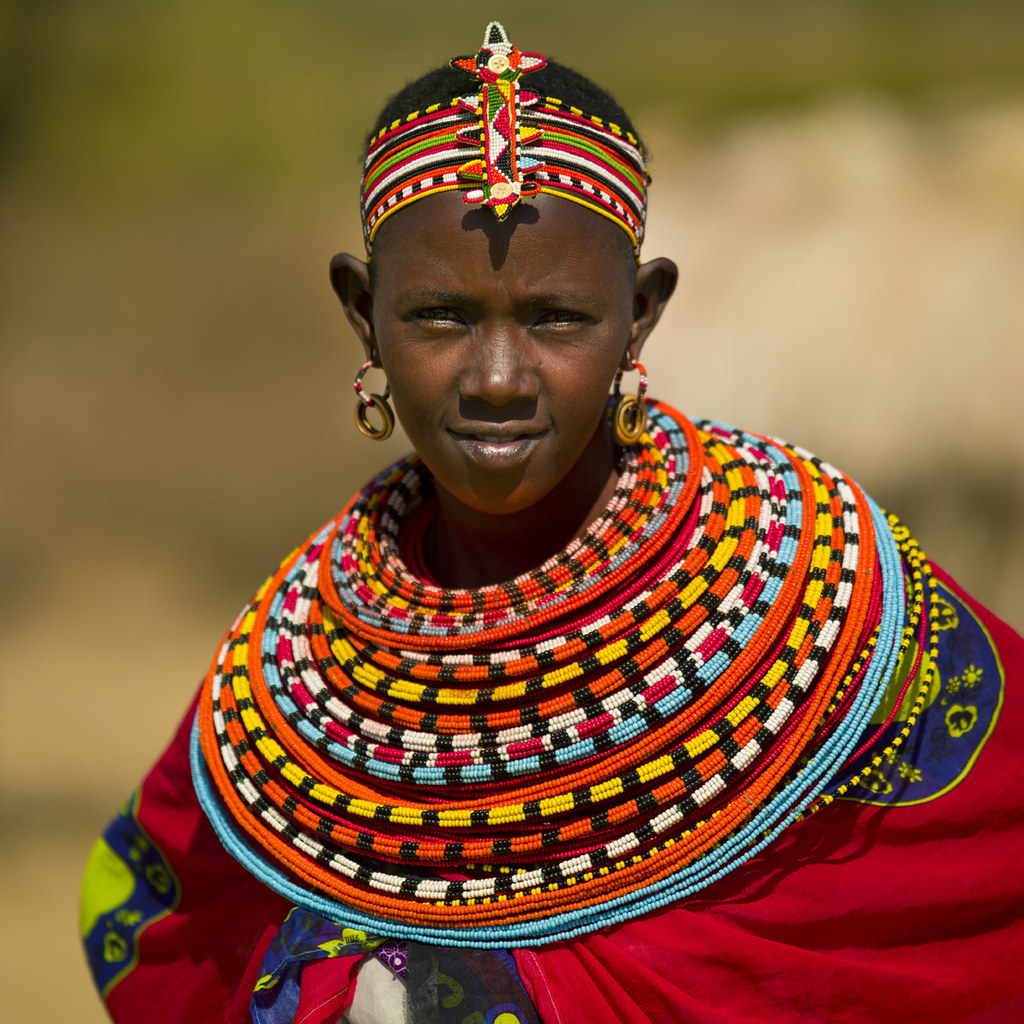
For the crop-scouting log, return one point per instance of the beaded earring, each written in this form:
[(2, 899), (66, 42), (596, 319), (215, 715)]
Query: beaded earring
[(367, 401), (629, 417)]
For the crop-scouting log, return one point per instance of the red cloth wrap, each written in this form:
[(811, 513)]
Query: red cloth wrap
[(859, 913)]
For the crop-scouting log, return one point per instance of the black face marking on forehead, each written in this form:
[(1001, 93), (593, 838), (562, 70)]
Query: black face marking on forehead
[(499, 232)]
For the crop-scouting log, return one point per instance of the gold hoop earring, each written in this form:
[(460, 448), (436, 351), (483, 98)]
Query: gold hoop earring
[(367, 401), (629, 417)]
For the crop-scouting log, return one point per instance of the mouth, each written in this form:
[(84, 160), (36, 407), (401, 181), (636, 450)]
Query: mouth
[(497, 448)]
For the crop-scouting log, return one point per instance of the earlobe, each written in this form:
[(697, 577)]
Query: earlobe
[(350, 278), (655, 283)]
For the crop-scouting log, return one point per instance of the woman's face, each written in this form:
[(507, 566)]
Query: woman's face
[(500, 340)]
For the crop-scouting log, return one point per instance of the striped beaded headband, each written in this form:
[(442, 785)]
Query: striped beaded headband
[(525, 144)]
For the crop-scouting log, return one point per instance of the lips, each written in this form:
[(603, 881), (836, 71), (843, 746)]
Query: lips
[(492, 434), (497, 449)]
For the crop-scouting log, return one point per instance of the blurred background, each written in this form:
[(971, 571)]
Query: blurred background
[(841, 184)]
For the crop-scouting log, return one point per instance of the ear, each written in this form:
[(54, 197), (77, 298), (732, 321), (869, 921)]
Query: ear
[(350, 278), (655, 283)]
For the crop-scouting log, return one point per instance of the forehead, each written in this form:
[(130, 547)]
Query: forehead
[(541, 236)]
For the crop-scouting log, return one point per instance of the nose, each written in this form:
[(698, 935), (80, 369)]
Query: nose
[(501, 370)]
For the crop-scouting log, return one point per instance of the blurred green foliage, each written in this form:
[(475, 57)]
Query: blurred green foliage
[(112, 98), (174, 176)]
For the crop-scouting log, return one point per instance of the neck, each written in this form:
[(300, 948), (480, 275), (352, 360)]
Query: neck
[(466, 548)]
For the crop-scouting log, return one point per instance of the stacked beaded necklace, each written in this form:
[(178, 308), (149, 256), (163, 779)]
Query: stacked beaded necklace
[(583, 744)]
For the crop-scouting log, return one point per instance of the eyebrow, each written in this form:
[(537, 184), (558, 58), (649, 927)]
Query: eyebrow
[(562, 297), (435, 296), (442, 296)]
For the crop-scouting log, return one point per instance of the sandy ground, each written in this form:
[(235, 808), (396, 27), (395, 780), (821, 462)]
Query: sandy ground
[(847, 253)]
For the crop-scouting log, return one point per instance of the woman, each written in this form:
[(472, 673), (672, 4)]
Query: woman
[(537, 728)]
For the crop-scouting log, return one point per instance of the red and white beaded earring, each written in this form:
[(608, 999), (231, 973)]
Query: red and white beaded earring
[(629, 417), (368, 401)]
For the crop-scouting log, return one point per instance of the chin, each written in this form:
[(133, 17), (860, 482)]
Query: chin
[(497, 501)]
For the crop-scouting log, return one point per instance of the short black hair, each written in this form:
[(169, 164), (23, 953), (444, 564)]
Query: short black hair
[(556, 80)]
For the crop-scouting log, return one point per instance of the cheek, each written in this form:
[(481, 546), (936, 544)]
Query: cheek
[(586, 384), (581, 405), (578, 410), (416, 383), (413, 408)]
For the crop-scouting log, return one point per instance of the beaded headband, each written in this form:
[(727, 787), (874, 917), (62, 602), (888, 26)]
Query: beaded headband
[(525, 143)]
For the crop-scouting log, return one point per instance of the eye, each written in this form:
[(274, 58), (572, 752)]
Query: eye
[(562, 318), (437, 315)]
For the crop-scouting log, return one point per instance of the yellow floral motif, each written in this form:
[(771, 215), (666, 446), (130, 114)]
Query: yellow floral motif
[(455, 991), (114, 948), (891, 756), (961, 719), (349, 937), (968, 680), (333, 947), (972, 676), (875, 781), (128, 917), (356, 935), (157, 877), (139, 848), (909, 772), (946, 616)]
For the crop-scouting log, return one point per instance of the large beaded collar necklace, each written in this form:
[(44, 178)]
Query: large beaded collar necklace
[(596, 739)]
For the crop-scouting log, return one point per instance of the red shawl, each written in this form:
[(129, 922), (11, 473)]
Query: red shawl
[(905, 908)]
